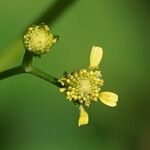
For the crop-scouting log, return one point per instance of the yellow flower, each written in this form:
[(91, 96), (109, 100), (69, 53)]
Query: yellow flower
[(84, 86), (38, 39)]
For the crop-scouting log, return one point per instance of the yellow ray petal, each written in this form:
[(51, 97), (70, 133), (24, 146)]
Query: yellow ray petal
[(109, 98), (83, 118), (95, 56)]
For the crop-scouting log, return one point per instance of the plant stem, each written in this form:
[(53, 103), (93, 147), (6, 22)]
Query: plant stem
[(11, 72), (27, 59), (23, 68), (44, 76), (26, 67)]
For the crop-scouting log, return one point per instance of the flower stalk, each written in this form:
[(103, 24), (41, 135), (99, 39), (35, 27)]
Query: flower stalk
[(11, 72), (26, 67), (45, 76), (27, 59)]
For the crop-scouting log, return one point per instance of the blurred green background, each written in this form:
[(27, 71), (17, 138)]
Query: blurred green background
[(35, 116)]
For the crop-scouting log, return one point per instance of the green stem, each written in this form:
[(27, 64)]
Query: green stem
[(27, 59), (11, 72), (26, 67), (23, 68), (44, 76)]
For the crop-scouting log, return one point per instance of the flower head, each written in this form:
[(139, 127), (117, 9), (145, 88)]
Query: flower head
[(38, 39), (84, 86)]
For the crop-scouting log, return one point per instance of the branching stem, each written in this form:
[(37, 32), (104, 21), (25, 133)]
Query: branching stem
[(26, 67)]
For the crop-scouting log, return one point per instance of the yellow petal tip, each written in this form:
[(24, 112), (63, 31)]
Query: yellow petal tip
[(83, 118), (95, 56), (109, 98)]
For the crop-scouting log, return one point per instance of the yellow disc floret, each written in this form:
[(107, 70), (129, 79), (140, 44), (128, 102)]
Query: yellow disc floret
[(38, 39), (82, 86)]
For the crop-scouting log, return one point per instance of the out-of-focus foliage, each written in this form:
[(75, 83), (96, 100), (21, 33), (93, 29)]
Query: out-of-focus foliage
[(34, 115)]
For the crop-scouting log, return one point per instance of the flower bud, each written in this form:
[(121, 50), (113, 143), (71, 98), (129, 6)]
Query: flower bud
[(38, 39)]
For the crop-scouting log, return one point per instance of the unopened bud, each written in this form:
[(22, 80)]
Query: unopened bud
[(38, 39)]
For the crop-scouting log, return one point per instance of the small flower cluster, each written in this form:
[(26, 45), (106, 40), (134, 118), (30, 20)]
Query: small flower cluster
[(84, 86), (38, 39)]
